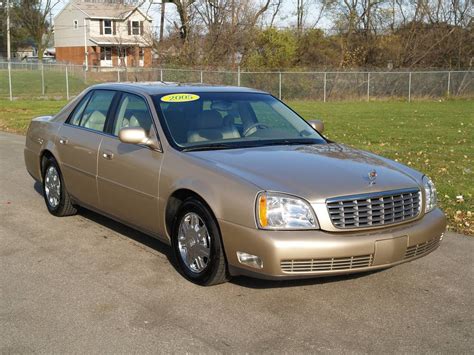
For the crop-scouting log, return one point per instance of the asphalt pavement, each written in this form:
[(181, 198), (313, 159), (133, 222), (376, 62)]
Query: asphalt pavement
[(86, 284)]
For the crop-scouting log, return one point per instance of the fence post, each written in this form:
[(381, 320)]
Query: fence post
[(10, 80), (161, 74), (42, 78), (279, 85), (368, 86), (238, 75), (409, 87), (325, 80), (67, 85), (449, 82), (201, 78)]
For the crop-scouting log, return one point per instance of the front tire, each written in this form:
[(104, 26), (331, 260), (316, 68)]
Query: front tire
[(55, 194), (197, 244)]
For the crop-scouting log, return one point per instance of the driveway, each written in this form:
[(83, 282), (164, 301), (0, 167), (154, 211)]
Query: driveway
[(86, 284)]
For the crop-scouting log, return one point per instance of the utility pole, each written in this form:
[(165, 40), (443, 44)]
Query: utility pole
[(86, 56), (9, 54)]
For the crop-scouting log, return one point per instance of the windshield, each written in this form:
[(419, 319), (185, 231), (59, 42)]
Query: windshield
[(231, 120)]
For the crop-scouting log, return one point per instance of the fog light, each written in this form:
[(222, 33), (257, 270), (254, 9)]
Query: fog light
[(442, 236), (250, 260)]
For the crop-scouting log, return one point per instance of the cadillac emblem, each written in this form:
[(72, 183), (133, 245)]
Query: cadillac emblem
[(372, 177)]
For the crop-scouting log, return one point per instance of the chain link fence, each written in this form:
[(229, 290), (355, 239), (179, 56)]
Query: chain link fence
[(60, 81)]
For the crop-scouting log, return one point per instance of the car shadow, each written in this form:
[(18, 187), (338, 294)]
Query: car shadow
[(166, 250), (38, 188), (123, 230), (255, 283)]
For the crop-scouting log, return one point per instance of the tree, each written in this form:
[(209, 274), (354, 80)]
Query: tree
[(273, 49), (183, 7), (32, 15), (316, 50)]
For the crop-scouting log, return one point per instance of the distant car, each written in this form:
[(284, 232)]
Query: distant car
[(46, 59), (234, 180)]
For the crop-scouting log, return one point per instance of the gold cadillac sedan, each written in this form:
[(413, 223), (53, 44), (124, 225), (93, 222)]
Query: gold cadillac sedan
[(234, 180)]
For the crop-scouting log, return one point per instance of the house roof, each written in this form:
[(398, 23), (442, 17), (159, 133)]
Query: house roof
[(106, 10)]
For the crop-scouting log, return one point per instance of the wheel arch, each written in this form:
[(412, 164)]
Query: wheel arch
[(175, 200), (44, 156)]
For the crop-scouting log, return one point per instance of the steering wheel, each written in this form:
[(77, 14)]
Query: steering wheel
[(255, 125)]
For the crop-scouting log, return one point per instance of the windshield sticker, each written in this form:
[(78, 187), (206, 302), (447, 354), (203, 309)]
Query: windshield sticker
[(180, 98)]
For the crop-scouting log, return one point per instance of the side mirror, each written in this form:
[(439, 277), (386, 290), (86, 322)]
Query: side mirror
[(137, 135), (317, 125)]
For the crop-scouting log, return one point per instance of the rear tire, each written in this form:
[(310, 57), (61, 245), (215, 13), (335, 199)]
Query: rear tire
[(55, 194), (197, 245)]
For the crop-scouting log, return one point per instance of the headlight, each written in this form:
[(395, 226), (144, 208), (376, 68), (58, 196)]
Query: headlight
[(280, 211), (431, 197)]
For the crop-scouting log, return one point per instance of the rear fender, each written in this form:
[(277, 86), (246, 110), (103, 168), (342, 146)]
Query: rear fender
[(41, 137)]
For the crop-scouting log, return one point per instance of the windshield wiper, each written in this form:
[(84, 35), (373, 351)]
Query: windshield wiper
[(250, 144), (215, 146), (291, 142)]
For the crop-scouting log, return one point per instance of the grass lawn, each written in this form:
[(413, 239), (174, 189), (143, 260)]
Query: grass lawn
[(436, 138), (28, 84)]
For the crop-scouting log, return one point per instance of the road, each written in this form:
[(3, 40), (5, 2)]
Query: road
[(86, 284)]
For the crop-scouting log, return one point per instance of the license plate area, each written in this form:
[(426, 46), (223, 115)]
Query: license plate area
[(389, 251)]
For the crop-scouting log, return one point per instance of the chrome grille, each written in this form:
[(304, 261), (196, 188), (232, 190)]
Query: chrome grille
[(422, 248), (311, 265), (375, 209)]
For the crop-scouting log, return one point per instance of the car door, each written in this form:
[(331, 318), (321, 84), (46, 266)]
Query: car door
[(78, 144), (128, 173)]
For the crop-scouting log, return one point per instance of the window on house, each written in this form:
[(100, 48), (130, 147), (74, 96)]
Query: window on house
[(108, 27), (75, 24), (135, 28)]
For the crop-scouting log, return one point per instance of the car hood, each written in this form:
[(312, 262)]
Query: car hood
[(314, 172)]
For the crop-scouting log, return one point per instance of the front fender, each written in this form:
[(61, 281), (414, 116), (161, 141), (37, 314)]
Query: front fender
[(230, 197)]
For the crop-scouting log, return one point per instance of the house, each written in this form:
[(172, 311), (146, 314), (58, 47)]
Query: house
[(103, 33), (25, 51), (29, 53)]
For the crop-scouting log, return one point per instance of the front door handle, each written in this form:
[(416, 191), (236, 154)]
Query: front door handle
[(107, 155), (63, 140)]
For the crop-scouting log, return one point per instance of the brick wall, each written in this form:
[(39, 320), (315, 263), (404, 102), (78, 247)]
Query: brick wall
[(75, 55)]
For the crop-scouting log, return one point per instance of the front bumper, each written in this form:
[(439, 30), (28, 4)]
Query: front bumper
[(303, 254)]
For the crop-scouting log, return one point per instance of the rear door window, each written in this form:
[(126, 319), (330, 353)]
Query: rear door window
[(79, 110), (92, 111)]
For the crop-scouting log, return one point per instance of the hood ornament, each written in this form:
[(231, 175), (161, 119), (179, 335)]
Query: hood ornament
[(372, 177)]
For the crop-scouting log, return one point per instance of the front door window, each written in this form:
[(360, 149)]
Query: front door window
[(122, 59), (105, 56), (141, 57), (132, 112)]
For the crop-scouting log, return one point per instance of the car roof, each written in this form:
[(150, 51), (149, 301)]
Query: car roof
[(163, 87)]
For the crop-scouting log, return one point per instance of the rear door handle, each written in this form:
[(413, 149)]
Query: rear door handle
[(63, 140), (107, 155)]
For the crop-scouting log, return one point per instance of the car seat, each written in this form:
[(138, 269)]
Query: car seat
[(210, 126)]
